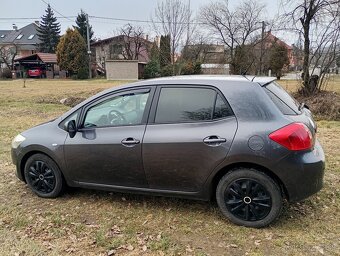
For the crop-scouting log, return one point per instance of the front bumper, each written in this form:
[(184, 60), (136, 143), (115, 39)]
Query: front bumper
[(16, 160), (302, 173)]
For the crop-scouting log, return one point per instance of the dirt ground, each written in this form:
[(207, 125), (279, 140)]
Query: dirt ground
[(88, 222)]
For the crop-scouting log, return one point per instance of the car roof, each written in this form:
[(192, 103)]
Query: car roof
[(198, 79), (214, 80)]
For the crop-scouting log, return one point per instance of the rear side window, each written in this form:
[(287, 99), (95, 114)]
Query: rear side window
[(178, 105), (286, 103), (222, 109)]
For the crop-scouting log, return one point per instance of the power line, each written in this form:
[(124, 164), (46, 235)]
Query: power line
[(37, 18), (142, 21), (56, 10)]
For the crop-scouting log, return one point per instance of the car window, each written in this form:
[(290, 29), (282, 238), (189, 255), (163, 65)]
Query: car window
[(74, 116), (222, 109), (284, 97), (126, 109), (280, 104), (178, 105)]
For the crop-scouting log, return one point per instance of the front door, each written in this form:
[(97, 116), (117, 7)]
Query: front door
[(108, 147)]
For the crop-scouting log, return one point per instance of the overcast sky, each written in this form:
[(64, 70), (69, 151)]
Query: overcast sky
[(125, 9)]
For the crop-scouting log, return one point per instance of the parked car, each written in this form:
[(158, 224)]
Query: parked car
[(36, 72), (245, 142)]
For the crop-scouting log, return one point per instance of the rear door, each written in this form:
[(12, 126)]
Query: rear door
[(190, 132)]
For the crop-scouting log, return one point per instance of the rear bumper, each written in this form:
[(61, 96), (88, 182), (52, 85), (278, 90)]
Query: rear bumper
[(303, 173)]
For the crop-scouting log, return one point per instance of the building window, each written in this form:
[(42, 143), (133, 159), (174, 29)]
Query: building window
[(19, 37), (31, 37)]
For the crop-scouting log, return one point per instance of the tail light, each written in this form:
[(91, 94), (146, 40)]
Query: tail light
[(295, 136)]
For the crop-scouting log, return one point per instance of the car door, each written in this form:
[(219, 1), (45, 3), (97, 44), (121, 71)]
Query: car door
[(107, 147), (190, 132)]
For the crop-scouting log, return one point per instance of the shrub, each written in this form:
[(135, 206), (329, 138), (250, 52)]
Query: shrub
[(167, 70), (6, 74), (152, 69), (83, 73)]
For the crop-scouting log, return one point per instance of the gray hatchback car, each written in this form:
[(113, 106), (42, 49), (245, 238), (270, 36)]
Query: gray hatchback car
[(242, 141)]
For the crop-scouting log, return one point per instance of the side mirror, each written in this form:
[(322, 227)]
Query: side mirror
[(72, 128)]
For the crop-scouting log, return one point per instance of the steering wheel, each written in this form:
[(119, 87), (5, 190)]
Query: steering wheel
[(116, 118)]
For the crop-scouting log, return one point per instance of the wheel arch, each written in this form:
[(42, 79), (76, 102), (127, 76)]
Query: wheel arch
[(34, 152), (228, 168)]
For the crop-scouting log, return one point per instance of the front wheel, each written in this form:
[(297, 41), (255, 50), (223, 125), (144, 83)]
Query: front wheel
[(43, 176), (249, 198)]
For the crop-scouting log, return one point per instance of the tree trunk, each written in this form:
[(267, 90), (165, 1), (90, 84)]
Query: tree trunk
[(305, 67)]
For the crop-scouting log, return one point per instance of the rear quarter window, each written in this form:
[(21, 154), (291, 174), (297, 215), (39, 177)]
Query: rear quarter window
[(282, 99)]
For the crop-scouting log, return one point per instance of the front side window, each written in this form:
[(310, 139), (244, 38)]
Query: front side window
[(125, 109)]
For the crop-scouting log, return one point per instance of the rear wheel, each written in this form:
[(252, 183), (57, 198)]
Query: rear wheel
[(249, 198), (43, 176)]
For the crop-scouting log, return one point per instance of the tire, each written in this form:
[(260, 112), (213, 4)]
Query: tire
[(248, 197), (43, 176)]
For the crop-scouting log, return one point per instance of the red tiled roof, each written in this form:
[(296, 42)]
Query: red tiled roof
[(47, 57), (50, 58)]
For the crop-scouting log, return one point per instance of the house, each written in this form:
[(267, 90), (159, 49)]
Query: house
[(212, 57), (120, 48), (270, 39), (18, 43)]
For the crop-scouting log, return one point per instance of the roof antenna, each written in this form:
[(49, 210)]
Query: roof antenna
[(244, 75)]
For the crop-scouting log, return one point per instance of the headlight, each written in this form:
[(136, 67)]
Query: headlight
[(18, 140)]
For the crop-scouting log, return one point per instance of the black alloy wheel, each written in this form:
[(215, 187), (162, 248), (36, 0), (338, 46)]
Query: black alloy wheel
[(249, 197), (248, 200), (43, 176)]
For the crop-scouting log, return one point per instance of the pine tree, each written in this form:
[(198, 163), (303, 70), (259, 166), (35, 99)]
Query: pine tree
[(165, 51), (49, 32), (278, 59), (81, 26), (153, 69), (72, 55)]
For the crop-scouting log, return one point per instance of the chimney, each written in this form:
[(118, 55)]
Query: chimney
[(15, 27), (147, 37), (37, 23), (158, 41)]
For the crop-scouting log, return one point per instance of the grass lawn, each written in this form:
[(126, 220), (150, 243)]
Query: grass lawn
[(87, 222)]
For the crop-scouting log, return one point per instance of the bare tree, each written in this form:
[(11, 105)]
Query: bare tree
[(197, 48), (130, 43), (8, 54), (172, 17), (134, 42), (234, 27), (319, 23)]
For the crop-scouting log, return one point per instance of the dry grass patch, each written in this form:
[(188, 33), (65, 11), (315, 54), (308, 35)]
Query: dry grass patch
[(87, 222)]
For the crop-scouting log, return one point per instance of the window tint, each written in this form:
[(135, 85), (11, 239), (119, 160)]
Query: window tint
[(127, 109), (221, 108), (283, 99), (281, 105), (185, 105)]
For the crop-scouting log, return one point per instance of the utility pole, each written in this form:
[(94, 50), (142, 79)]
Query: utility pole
[(262, 43), (88, 44)]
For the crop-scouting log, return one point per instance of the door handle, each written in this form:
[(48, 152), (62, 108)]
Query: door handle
[(130, 142), (214, 140)]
